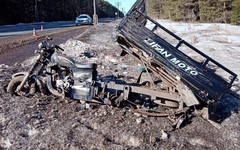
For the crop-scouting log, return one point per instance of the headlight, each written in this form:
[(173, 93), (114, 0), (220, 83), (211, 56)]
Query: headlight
[(40, 45)]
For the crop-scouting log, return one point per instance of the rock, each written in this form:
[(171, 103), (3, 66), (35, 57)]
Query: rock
[(111, 59), (24, 134), (139, 120), (104, 112), (32, 132), (112, 112), (3, 67), (38, 116), (79, 108), (82, 102), (100, 115), (28, 116), (87, 105), (204, 113), (154, 139), (137, 114), (164, 135), (123, 67), (74, 125)]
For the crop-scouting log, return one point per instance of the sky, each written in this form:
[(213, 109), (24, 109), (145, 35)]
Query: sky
[(125, 4)]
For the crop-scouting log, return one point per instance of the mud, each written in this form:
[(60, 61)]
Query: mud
[(49, 122)]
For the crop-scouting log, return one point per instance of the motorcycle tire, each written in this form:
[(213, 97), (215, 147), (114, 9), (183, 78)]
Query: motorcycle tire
[(13, 84)]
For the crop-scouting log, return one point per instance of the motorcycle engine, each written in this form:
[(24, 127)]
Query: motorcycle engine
[(64, 84), (83, 77)]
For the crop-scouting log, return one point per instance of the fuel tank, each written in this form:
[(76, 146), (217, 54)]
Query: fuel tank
[(63, 60)]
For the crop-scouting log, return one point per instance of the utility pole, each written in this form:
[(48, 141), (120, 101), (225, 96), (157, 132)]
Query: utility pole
[(36, 11), (118, 5), (95, 17), (123, 11)]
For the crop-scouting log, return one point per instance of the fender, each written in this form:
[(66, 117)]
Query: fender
[(19, 74)]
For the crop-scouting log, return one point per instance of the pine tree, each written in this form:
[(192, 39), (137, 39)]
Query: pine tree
[(15, 11), (214, 10), (174, 9), (153, 8), (235, 15)]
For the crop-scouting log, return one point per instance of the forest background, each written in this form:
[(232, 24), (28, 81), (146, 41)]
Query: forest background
[(221, 11), (23, 11)]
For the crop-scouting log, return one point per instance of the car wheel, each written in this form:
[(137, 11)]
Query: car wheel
[(76, 24)]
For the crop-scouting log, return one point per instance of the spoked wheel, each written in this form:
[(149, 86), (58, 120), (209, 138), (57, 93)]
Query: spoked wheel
[(14, 83)]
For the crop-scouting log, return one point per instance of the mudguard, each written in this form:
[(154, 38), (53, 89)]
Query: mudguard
[(19, 74)]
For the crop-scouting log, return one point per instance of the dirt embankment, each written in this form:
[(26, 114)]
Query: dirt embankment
[(48, 122)]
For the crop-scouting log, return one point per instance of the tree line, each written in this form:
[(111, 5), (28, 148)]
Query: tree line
[(23, 11), (223, 11)]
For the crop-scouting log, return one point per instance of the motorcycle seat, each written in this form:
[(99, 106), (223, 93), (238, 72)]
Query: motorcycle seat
[(85, 66)]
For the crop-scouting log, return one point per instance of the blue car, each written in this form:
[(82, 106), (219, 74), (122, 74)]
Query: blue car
[(83, 19)]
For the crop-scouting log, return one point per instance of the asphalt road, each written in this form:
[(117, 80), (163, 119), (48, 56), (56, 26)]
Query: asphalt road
[(26, 28), (18, 54)]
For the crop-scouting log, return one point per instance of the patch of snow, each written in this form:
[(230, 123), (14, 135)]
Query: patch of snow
[(129, 140), (219, 41), (5, 143), (3, 67), (32, 132), (21, 24), (199, 141)]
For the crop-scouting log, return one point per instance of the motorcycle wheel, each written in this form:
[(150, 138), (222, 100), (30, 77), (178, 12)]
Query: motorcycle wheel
[(13, 84)]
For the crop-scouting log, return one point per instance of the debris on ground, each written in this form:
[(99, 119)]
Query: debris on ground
[(49, 122)]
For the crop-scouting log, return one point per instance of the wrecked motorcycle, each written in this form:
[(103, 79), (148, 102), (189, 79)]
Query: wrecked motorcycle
[(55, 73), (183, 83)]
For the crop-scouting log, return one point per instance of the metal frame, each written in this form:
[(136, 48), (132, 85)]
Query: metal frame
[(132, 32)]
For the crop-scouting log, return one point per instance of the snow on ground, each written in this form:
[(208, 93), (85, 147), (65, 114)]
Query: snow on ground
[(219, 41)]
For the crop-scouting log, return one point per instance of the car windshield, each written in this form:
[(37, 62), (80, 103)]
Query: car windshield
[(82, 17)]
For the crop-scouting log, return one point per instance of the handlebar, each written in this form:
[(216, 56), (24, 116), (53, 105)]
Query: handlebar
[(58, 47), (48, 38), (47, 46)]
